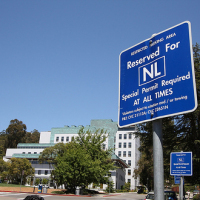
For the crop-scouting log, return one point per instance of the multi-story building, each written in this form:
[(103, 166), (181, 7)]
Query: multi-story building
[(122, 141)]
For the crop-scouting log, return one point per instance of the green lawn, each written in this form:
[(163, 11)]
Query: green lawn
[(11, 185)]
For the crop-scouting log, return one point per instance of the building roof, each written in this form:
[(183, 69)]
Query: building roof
[(118, 159)]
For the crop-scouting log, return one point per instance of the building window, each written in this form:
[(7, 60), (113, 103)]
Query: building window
[(129, 162), (124, 144), (104, 147), (39, 172), (125, 136), (29, 152), (119, 153), (46, 172), (23, 152), (57, 139), (62, 139), (130, 136), (129, 171), (124, 153), (67, 139), (120, 136), (120, 145), (129, 181), (35, 152), (129, 154), (129, 145)]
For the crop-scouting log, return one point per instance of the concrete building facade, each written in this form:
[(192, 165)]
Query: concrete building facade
[(122, 141)]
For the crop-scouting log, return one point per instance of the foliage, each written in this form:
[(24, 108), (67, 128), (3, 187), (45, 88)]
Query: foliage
[(196, 197), (81, 161), (180, 133), (37, 181), (15, 132), (58, 192), (110, 188), (19, 168), (126, 187), (2, 143), (45, 181), (92, 143), (32, 137), (4, 167)]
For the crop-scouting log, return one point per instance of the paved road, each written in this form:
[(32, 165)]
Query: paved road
[(123, 196)]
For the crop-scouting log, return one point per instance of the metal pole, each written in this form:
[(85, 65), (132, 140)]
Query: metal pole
[(158, 160), (181, 187)]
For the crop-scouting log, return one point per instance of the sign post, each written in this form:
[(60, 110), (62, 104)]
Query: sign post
[(156, 80)]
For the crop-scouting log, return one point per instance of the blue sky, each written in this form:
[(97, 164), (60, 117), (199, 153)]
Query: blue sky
[(60, 58)]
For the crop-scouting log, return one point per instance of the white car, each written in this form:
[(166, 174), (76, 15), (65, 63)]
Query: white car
[(150, 196), (168, 195)]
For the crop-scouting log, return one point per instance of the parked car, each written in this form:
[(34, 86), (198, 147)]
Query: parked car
[(169, 195), (195, 192), (150, 196)]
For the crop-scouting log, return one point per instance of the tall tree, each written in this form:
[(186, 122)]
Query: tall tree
[(180, 133), (2, 143), (80, 162), (4, 168), (20, 168), (32, 137), (16, 132), (188, 125)]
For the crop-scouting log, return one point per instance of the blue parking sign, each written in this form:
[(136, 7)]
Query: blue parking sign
[(156, 77), (181, 164)]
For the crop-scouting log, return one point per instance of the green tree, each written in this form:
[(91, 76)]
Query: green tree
[(20, 168), (180, 133), (15, 132), (93, 143), (188, 125), (4, 167), (2, 143), (73, 167), (145, 164), (32, 137), (80, 162)]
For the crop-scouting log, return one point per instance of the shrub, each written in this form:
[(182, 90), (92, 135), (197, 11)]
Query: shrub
[(58, 192), (196, 197), (110, 188), (45, 181), (37, 181)]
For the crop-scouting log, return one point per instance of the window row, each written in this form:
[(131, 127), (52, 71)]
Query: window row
[(125, 145), (64, 139), (125, 136), (67, 139), (45, 172), (31, 153), (124, 153)]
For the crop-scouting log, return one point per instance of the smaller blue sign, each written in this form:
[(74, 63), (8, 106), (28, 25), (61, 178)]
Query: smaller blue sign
[(181, 164), (177, 179)]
